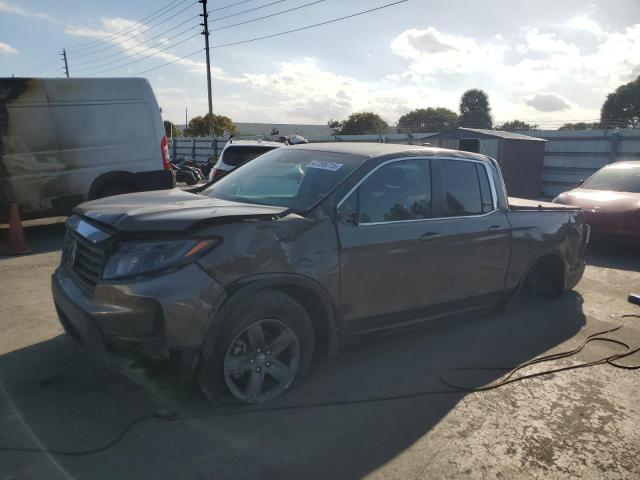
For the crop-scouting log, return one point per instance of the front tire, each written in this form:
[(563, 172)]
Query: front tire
[(264, 345)]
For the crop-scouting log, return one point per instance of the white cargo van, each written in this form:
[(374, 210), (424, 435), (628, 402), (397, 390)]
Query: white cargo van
[(64, 141)]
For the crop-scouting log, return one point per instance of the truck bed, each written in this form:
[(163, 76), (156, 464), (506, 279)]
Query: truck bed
[(520, 204)]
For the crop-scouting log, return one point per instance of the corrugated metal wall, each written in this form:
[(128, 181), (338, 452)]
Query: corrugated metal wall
[(570, 156)]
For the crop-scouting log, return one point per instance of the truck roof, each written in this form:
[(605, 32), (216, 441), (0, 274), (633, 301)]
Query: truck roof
[(374, 150), (254, 143)]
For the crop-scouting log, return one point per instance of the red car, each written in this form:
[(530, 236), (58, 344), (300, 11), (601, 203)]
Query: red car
[(610, 199)]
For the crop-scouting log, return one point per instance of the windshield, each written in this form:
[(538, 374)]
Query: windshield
[(235, 156), (621, 178), (296, 179)]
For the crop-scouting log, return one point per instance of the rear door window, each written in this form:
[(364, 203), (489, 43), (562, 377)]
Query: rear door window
[(236, 156), (485, 188), (462, 189), (395, 192)]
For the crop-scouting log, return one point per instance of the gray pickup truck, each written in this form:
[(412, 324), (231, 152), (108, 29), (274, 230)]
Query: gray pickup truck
[(301, 250)]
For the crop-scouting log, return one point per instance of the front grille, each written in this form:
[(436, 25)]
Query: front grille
[(88, 260)]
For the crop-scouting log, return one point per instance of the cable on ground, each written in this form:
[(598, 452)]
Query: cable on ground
[(509, 378)]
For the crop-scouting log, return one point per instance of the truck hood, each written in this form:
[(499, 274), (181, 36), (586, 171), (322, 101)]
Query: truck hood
[(169, 211)]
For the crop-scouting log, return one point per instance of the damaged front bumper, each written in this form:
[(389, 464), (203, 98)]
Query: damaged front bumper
[(153, 316)]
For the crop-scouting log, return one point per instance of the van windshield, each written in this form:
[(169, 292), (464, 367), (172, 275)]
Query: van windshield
[(285, 177)]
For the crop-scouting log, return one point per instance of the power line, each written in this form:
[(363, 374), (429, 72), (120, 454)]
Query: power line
[(277, 34), (150, 27), (147, 56), (309, 26), (169, 30), (125, 30), (267, 16), (46, 65), (117, 60), (141, 43), (245, 11), (146, 19), (229, 6), (169, 63)]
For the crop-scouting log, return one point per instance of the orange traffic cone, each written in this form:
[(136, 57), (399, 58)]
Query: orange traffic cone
[(17, 243)]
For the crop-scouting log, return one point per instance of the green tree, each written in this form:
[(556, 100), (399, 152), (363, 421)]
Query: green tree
[(275, 132), (170, 129), (580, 126), (335, 126), (427, 120), (199, 126), (622, 107), (475, 111), (516, 125), (364, 123)]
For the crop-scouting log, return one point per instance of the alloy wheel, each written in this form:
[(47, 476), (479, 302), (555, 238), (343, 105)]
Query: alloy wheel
[(262, 360)]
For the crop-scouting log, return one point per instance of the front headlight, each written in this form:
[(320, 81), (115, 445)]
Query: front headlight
[(138, 257)]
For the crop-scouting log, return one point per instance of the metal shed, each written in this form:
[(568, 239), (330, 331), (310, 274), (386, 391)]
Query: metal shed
[(521, 157)]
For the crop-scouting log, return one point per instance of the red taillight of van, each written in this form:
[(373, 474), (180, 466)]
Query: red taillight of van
[(164, 147)]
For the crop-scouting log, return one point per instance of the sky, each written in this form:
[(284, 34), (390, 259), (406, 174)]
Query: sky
[(545, 62)]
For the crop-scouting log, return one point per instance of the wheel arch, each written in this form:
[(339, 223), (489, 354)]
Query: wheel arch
[(312, 296), (109, 177), (552, 260)]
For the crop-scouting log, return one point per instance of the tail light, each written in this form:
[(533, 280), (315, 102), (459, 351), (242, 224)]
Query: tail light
[(217, 174), (164, 148)]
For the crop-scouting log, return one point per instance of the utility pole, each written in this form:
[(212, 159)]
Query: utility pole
[(66, 65), (186, 120), (205, 24)]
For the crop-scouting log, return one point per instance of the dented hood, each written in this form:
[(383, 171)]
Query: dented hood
[(169, 211)]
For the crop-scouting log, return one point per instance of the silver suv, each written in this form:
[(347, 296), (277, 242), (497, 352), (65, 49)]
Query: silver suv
[(237, 152)]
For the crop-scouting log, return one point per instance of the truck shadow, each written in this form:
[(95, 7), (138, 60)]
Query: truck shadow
[(330, 426)]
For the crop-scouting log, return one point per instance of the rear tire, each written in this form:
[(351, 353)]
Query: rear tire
[(263, 346)]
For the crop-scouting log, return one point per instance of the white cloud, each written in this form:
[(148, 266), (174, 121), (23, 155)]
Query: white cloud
[(583, 23), (434, 52), (548, 102), (9, 8), (16, 10), (303, 91), (7, 49), (555, 69)]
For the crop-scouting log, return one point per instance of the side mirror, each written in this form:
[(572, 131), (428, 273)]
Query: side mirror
[(580, 182)]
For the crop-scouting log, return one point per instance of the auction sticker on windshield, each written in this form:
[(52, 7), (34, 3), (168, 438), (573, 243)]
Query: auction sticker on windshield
[(324, 165)]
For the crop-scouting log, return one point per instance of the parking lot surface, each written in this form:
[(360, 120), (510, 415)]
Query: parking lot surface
[(576, 424)]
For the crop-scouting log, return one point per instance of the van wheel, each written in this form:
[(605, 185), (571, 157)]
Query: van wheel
[(264, 345), (111, 189)]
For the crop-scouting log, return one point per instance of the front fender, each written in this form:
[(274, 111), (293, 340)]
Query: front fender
[(245, 287)]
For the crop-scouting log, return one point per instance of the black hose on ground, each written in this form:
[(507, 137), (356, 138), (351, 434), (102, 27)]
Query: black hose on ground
[(168, 416)]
